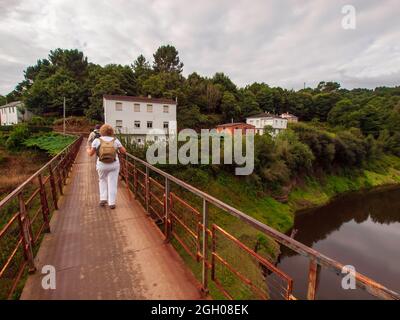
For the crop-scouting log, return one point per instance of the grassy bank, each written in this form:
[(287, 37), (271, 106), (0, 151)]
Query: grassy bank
[(316, 192)]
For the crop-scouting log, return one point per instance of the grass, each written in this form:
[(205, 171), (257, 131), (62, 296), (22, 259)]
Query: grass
[(17, 167), (52, 143), (384, 171)]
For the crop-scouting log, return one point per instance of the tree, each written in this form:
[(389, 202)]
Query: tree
[(112, 79), (166, 59), (142, 71), (226, 83), (229, 107), (329, 86), (3, 100), (248, 103), (74, 61)]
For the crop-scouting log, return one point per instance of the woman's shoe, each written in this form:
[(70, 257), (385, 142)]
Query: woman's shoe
[(103, 203), (112, 206)]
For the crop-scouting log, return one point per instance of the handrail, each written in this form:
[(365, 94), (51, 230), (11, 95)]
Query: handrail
[(315, 257), (27, 220), (17, 190)]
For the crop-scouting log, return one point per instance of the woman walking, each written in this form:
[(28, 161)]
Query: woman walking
[(107, 148)]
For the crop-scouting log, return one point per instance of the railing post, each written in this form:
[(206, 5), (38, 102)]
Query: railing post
[(26, 234), (166, 209), (127, 176), (313, 279), (135, 184), (64, 170), (213, 250), (59, 179), (147, 189), (53, 187), (205, 245), (44, 204)]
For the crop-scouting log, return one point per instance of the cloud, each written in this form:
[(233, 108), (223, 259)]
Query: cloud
[(282, 43)]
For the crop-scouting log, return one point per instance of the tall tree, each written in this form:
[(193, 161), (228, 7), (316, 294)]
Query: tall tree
[(166, 59)]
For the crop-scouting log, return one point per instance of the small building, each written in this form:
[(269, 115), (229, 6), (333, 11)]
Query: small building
[(231, 127), (262, 120), (144, 118), (13, 113), (290, 117)]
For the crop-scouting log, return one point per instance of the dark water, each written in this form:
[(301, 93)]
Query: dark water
[(362, 230)]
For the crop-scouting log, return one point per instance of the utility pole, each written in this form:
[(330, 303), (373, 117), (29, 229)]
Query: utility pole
[(64, 116)]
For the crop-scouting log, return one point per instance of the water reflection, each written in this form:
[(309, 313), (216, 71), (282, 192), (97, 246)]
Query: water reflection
[(360, 229)]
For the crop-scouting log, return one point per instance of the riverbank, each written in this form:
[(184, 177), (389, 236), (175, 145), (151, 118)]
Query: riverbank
[(314, 193)]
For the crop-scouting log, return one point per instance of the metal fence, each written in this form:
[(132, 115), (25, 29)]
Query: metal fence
[(225, 262), (25, 215)]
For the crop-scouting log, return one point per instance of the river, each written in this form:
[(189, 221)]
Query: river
[(359, 229)]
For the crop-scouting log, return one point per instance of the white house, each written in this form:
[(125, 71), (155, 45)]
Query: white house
[(290, 117), (13, 113), (260, 121), (145, 118)]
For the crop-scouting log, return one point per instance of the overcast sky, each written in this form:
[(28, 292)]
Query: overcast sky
[(282, 43)]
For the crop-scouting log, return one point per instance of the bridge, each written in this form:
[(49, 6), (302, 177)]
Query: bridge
[(165, 240)]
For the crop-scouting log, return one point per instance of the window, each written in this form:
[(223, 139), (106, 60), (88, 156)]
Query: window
[(136, 107), (166, 125), (149, 108), (149, 124), (155, 138), (118, 123), (118, 106), (165, 109), (137, 124), (139, 140)]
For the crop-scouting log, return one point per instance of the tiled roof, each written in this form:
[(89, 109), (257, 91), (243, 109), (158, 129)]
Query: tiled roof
[(263, 115), (11, 104), (138, 99), (234, 124)]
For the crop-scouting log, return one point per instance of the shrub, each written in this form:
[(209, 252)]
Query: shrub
[(37, 121), (17, 136)]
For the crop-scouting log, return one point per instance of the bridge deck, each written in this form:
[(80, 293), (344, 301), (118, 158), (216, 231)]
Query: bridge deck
[(100, 253)]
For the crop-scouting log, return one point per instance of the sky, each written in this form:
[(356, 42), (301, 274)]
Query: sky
[(283, 43)]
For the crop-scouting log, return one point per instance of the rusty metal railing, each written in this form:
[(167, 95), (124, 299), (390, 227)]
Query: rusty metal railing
[(202, 241), (25, 216)]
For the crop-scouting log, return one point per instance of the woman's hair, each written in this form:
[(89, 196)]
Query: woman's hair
[(106, 130)]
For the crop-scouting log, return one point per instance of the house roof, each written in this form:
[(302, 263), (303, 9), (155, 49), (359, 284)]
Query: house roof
[(264, 115), (288, 115), (11, 104), (138, 99), (235, 124)]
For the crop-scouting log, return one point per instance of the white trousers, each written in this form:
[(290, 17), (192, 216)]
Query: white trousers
[(108, 181)]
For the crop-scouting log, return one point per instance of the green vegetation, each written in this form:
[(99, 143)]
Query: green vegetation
[(52, 143)]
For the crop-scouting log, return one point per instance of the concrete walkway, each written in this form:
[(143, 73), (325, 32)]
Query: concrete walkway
[(100, 253)]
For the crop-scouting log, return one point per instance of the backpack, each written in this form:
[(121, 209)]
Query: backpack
[(107, 152)]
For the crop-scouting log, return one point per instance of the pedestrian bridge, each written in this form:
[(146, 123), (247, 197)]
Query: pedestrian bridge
[(165, 240)]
